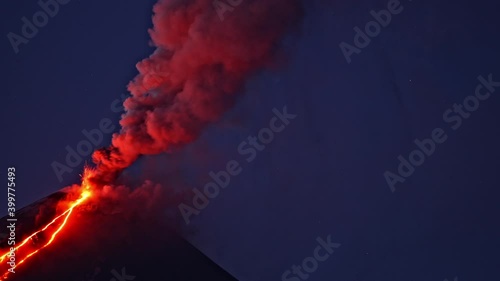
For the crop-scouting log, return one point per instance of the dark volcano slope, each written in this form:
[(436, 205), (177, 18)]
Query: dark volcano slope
[(100, 246)]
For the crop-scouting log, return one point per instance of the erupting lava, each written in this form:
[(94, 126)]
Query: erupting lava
[(28, 247)]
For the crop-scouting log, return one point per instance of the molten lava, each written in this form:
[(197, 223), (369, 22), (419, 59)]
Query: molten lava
[(25, 250)]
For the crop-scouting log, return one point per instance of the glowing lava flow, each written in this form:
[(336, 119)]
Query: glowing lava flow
[(84, 195)]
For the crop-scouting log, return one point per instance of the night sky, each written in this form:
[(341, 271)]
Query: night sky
[(324, 173)]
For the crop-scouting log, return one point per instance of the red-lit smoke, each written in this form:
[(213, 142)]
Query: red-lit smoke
[(200, 64)]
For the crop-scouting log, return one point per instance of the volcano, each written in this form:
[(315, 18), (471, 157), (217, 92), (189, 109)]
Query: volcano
[(144, 250), (205, 54)]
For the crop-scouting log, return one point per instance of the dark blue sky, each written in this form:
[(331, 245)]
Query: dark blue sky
[(321, 176)]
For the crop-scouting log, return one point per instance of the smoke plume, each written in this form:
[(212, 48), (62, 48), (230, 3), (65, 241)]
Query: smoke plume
[(205, 52)]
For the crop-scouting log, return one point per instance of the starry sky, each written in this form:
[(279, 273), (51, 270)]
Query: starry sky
[(324, 174)]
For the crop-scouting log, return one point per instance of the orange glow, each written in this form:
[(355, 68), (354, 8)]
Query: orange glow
[(85, 193)]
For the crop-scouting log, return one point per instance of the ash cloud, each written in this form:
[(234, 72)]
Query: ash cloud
[(194, 76)]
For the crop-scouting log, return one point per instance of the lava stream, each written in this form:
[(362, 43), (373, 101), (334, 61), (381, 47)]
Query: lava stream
[(21, 257)]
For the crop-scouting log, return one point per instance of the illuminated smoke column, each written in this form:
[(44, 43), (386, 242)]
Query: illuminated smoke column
[(200, 64)]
